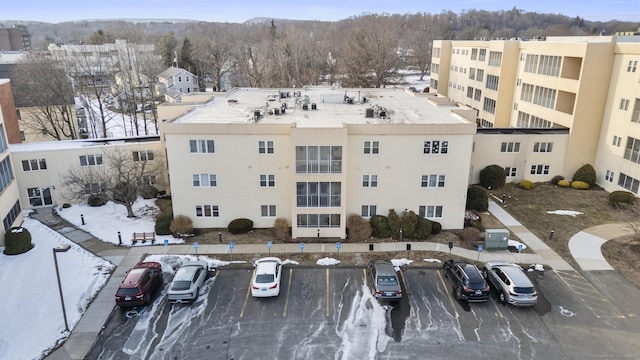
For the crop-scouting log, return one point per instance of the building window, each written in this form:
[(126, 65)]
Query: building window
[(480, 75), (3, 139), (430, 211), (510, 147), (12, 215), (318, 194), (539, 169), (477, 95), (369, 180), (368, 211), (624, 104), (268, 210), (146, 155), (432, 180), (495, 58), (318, 220), (544, 97), (148, 180), (474, 54), (511, 171), (633, 64), (371, 147), (470, 92), (628, 183), (483, 55), (489, 105), (526, 94), (436, 52), (204, 180), (34, 165), (549, 65), (472, 73), (635, 117), (207, 211), (201, 146), (267, 180), (90, 160), (265, 147), (616, 140), (609, 176), (492, 82), (543, 147), (318, 159), (531, 63), (95, 188), (6, 173), (436, 147), (632, 151)]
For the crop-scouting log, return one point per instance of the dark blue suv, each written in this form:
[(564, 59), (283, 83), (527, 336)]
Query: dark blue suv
[(468, 282)]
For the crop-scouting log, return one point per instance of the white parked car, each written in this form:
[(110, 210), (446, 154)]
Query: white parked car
[(266, 279), (187, 282)]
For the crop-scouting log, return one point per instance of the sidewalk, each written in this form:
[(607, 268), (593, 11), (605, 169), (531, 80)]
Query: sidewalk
[(87, 330)]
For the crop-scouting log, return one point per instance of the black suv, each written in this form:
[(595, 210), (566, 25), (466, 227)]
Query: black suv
[(467, 280)]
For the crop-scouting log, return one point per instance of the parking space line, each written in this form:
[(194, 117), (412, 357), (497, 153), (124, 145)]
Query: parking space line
[(404, 281), (594, 300), (286, 301), (453, 306), (327, 295), (497, 309), (246, 298)]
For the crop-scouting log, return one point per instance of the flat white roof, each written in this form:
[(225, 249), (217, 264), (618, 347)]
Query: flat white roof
[(325, 107), (78, 144)]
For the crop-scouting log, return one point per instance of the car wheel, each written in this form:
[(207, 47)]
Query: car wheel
[(458, 293), (503, 298)]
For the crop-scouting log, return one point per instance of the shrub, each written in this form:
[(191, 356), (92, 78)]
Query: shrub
[(97, 200), (424, 228), (163, 224), (564, 183), (526, 184), (621, 197), (477, 198), (380, 226), (436, 227), (358, 228), (585, 173), (555, 179), (492, 177), (281, 229), (394, 224), (581, 185), (66, 205), (148, 192), (181, 225), (240, 226), (17, 240)]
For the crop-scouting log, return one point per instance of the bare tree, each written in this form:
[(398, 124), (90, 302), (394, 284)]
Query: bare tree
[(212, 53), (124, 175), (42, 84)]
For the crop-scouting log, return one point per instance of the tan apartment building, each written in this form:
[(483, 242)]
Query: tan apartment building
[(553, 83), (10, 209), (316, 155)]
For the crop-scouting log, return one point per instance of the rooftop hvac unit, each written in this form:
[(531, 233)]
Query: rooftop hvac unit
[(314, 106), (276, 111), (305, 107), (369, 113)]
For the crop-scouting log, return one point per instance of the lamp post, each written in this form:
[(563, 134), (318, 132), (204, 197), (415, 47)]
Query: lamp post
[(62, 248)]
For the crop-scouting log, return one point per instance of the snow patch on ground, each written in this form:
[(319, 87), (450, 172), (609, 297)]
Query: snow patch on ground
[(515, 244), (536, 267), (565, 212), (328, 261), (432, 260), (290, 262), (397, 263)]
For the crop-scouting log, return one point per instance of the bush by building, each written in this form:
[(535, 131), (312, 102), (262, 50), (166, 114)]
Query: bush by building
[(477, 198), (281, 228), (493, 177), (423, 229), (436, 227), (555, 179), (585, 173), (181, 225), (621, 197), (17, 240), (526, 184), (240, 226), (97, 200), (564, 183), (580, 185), (358, 228), (380, 226), (163, 224)]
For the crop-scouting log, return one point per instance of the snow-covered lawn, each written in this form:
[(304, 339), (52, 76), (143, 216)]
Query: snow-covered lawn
[(31, 312)]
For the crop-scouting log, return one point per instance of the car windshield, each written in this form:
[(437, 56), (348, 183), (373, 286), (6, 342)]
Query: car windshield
[(128, 291), (524, 290), (264, 278), (387, 280), (180, 285)]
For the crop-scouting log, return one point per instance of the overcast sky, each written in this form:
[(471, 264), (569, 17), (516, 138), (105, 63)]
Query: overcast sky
[(328, 10)]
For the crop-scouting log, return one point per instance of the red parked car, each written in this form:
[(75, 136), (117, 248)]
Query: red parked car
[(139, 284)]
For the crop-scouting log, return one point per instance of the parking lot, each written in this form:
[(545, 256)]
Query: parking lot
[(329, 313)]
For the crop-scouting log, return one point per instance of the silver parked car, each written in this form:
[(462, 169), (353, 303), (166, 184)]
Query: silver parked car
[(512, 283), (187, 282), (385, 282)]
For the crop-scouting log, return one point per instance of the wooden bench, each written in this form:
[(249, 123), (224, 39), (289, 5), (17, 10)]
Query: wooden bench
[(143, 237)]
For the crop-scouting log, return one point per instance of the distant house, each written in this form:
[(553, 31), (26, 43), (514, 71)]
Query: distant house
[(174, 82)]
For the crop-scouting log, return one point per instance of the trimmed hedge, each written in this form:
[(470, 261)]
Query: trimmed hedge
[(436, 227), (526, 184), (17, 240), (380, 226), (97, 200), (580, 185), (477, 198), (556, 179), (493, 177), (624, 197), (586, 173), (163, 224), (564, 183), (240, 226)]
